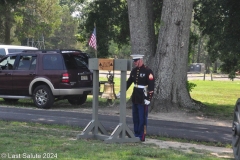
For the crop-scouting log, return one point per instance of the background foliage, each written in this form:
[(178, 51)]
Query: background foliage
[(214, 36)]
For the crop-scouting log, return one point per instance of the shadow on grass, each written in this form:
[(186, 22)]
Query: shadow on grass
[(216, 111), (224, 112)]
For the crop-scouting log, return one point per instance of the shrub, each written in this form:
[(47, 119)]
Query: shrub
[(190, 86)]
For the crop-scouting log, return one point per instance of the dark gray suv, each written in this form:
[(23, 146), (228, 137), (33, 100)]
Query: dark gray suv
[(46, 76)]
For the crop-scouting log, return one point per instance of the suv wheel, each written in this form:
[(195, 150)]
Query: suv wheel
[(77, 100), (42, 97)]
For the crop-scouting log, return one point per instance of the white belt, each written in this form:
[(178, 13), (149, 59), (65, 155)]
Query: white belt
[(139, 86)]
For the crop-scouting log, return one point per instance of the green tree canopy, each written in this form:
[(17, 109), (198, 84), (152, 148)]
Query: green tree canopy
[(111, 19), (219, 19), (7, 19), (37, 18)]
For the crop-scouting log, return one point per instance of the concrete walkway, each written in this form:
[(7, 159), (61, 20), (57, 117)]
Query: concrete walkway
[(190, 148)]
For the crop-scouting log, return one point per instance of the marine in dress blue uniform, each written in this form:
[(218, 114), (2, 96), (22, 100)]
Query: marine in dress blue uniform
[(143, 80)]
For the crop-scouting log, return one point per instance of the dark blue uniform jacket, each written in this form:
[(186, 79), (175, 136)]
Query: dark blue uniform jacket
[(142, 76)]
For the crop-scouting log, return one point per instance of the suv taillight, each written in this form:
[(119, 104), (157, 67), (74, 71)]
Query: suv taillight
[(65, 78)]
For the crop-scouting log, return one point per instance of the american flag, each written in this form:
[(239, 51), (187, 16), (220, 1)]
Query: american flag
[(93, 40)]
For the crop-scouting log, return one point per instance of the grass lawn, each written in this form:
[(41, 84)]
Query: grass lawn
[(36, 141), (219, 97), (31, 139)]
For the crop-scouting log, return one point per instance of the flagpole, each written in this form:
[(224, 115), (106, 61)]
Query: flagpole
[(96, 39)]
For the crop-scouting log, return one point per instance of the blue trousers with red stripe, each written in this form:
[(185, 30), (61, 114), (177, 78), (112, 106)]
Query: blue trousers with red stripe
[(139, 115)]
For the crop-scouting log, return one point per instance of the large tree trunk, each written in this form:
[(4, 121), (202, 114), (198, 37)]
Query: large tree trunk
[(169, 62), (172, 56), (141, 25)]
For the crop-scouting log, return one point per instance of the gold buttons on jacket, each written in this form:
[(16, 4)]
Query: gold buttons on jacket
[(137, 76)]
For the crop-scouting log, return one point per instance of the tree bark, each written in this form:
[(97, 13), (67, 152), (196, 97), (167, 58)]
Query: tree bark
[(169, 61), (171, 57), (141, 25)]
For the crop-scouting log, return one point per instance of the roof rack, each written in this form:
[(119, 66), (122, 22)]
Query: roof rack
[(59, 51), (56, 50)]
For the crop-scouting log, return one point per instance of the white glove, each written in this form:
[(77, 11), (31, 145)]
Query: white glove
[(146, 102), (118, 95)]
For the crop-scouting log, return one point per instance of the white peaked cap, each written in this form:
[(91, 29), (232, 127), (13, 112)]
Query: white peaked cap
[(137, 56)]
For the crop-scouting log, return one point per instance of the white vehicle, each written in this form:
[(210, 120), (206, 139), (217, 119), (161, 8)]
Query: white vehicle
[(6, 49)]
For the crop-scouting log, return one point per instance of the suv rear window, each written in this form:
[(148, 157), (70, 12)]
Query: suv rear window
[(52, 62), (74, 61)]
